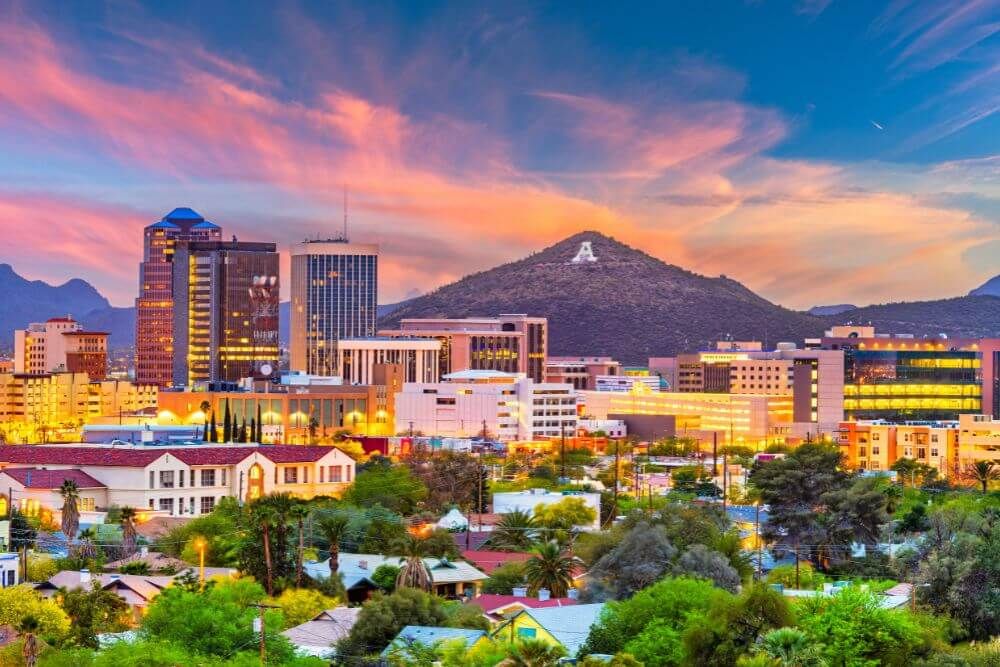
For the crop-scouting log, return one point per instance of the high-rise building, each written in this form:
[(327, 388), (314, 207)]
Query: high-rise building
[(225, 315), (510, 343), (61, 345), (155, 305), (334, 296)]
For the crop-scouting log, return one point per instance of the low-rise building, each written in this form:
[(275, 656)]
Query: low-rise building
[(357, 358), (877, 445), (60, 345), (430, 636), (319, 635), (581, 372), (978, 439), (565, 626), (504, 406), (448, 578), (10, 569), (175, 481)]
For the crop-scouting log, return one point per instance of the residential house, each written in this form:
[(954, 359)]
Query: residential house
[(448, 578), (317, 636), (36, 491), (177, 481), (501, 607), (431, 636), (488, 561), (9, 569), (566, 626)]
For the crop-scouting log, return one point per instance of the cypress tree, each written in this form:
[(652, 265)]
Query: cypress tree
[(260, 426), (243, 431), (213, 434), (253, 430), (227, 425)]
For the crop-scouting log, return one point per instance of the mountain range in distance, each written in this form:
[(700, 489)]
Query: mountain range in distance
[(625, 304)]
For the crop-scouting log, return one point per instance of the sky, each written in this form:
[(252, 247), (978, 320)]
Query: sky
[(819, 151)]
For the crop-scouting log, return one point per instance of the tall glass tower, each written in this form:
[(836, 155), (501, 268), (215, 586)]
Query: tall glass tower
[(334, 295)]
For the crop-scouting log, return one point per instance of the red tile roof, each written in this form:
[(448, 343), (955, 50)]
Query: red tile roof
[(488, 561), (140, 458), (38, 478), (490, 603)]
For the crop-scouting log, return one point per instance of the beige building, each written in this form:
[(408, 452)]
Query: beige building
[(874, 445), (978, 439), (418, 358), (60, 345), (581, 372)]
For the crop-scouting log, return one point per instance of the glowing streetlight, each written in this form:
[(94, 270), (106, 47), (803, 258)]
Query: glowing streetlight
[(199, 544)]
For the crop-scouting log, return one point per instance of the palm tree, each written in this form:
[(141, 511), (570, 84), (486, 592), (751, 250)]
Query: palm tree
[(413, 573), (549, 568), (70, 509), (299, 512), (790, 647), (532, 653), (516, 531), (984, 472), (129, 536), (28, 627), (334, 528)]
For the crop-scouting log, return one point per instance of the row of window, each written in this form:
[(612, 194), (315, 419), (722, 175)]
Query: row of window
[(168, 478), (205, 505)]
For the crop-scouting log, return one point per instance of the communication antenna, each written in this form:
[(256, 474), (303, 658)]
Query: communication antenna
[(345, 212)]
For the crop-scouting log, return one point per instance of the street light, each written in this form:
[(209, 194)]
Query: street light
[(199, 544)]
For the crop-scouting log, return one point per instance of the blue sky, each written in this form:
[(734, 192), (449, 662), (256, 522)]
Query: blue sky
[(816, 151)]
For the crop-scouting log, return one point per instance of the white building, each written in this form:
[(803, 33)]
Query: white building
[(357, 357), (9, 569), (626, 382), (175, 481), (508, 406), (527, 501), (613, 428)]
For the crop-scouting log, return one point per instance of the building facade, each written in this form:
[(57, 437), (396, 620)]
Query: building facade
[(876, 446), (505, 406), (581, 372), (508, 343), (357, 358), (225, 320), (61, 345), (181, 481), (154, 308), (978, 439), (334, 289)]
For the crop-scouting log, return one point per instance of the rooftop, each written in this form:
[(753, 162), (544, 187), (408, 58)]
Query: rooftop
[(140, 457), (493, 603), (40, 478), (429, 636), (183, 213)]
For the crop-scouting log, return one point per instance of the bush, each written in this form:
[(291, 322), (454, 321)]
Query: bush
[(505, 578), (809, 579)]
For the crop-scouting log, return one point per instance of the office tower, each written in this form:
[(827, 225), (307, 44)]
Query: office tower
[(154, 307), (225, 316), (61, 345), (334, 296)]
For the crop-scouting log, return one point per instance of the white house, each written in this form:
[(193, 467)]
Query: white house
[(176, 481), (526, 501)]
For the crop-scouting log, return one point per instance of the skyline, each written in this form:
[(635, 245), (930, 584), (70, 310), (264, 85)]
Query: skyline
[(816, 152)]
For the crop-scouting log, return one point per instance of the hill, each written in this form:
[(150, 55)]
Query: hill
[(990, 288), (959, 317), (626, 304), (836, 309)]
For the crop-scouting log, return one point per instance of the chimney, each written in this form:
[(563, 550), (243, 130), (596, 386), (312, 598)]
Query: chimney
[(543, 594), (520, 592), (363, 564), (84, 576), (144, 551), (573, 594)]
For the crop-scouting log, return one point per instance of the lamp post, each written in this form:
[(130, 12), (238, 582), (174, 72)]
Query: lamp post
[(199, 544)]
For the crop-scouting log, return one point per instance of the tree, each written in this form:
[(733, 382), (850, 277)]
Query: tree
[(28, 627), (252, 433), (19, 602), (392, 487), (856, 514), (550, 568), (730, 629), (532, 653), (791, 647), (795, 487), (700, 561), (213, 430), (505, 579), (984, 472), (413, 572), (516, 531), (266, 551), (22, 533), (299, 605), (334, 528), (129, 536), (93, 611), (384, 616), (669, 602), (243, 433), (70, 521), (258, 436), (227, 424), (558, 520), (385, 576), (642, 557), (913, 473), (217, 622), (452, 478), (440, 544)]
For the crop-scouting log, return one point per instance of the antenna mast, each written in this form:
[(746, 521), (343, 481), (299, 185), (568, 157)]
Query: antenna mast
[(345, 212)]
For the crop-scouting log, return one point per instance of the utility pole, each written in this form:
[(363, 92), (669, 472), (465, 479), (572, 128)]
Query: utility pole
[(618, 453), (259, 626), (715, 453), (562, 450)]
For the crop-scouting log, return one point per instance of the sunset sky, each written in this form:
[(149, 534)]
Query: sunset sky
[(817, 151)]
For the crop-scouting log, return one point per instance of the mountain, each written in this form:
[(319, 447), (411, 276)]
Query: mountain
[(821, 311), (959, 317), (626, 304), (990, 288), (26, 301)]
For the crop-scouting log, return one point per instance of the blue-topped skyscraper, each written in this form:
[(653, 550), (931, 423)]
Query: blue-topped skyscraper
[(154, 308), (334, 291)]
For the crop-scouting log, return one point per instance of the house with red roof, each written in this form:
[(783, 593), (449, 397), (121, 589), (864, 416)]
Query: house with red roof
[(167, 481), (502, 607), (488, 561)]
